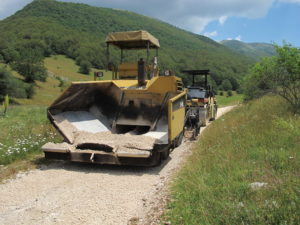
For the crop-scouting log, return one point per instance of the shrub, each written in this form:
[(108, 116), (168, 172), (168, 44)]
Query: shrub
[(221, 93), (61, 82), (85, 67), (229, 93), (30, 91), (10, 85)]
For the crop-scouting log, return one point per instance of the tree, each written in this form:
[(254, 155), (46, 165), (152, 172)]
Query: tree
[(11, 86), (234, 83), (4, 83), (279, 75), (30, 64), (85, 67), (226, 85), (10, 55), (229, 93)]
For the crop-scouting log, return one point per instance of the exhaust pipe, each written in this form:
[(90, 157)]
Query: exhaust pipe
[(141, 72)]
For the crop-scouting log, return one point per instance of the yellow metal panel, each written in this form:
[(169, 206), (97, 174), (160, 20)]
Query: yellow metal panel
[(125, 83), (128, 70), (176, 115), (176, 123), (163, 84)]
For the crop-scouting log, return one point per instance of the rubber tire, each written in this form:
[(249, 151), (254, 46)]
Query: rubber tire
[(179, 140), (197, 131), (165, 154), (159, 159)]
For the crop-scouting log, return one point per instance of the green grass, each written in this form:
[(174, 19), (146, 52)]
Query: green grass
[(225, 100), (60, 65), (57, 66), (257, 142), (23, 130)]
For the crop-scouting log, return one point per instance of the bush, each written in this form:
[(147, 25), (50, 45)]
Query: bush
[(229, 93), (61, 82), (30, 91), (10, 86), (221, 93), (85, 67)]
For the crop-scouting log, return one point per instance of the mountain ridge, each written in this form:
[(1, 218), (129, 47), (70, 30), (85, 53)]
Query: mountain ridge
[(78, 31), (254, 50)]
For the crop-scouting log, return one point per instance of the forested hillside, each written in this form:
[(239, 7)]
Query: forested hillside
[(78, 31), (252, 50)]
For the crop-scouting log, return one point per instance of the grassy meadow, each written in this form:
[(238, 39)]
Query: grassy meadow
[(225, 100), (255, 144), (61, 72), (66, 68), (23, 130)]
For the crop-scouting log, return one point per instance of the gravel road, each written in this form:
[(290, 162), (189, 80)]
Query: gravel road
[(69, 193)]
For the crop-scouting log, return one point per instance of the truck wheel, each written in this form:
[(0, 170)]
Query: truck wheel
[(165, 154), (179, 140), (158, 159), (198, 131)]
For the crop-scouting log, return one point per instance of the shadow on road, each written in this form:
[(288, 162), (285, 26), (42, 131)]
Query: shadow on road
[(87, 168)]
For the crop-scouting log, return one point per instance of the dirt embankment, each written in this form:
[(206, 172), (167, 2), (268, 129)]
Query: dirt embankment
[(68, 193)]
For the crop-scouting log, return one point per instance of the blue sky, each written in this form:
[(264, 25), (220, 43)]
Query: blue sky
[(246, 20), (282, 22)]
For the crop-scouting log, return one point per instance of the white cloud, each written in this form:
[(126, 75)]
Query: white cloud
[(211, 34), (193, 15), (237, 38), (222, 19)]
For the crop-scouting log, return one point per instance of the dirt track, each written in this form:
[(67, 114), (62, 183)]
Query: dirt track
[(68, 193)]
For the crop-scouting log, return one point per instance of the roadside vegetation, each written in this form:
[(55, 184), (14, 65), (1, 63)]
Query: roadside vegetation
[(279, 75), (23, 130), (245, 169)]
